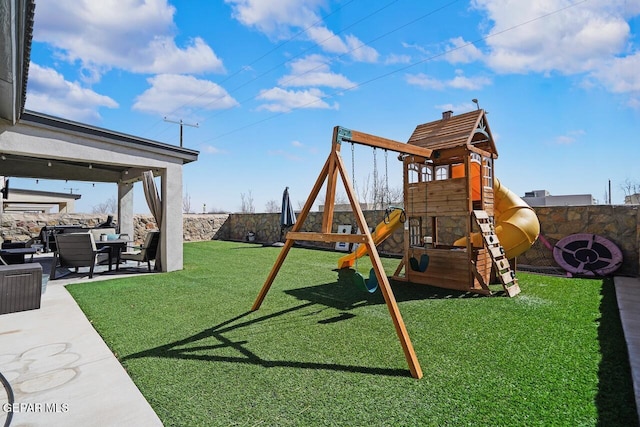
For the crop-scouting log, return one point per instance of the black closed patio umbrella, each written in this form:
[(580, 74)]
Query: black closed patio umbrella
[(287, 215)]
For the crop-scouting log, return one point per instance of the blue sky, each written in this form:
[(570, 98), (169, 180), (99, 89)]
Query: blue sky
[(266, 82)]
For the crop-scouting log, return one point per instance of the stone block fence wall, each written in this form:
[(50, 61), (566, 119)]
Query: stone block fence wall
[(21, 227), (620, 224)]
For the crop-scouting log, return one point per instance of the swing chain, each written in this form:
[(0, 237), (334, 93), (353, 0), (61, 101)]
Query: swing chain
[(387, 214), (353, 167), (386, 175), (355, 189), (375, 179)]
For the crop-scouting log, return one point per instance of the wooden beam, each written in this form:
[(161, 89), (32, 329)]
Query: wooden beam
[(327, 237), (401, 265), (272, 275), (387, 144), (302, 216), (332, 179)]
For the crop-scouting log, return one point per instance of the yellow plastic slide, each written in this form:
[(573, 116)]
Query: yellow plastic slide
[(517, 225), (382, 232)]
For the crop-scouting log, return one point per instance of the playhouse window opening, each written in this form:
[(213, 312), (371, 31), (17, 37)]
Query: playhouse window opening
[(415, 231), (419, 172), (487, 172), (412, 173), (442, 172), (427, 173)]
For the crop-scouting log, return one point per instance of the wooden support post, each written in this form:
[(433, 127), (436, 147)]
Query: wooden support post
[(401, 265), (383, 281), (332, 180), (289, 242), (272, 275), (333, 167)]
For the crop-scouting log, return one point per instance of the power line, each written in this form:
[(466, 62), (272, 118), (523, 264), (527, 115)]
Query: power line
[(413, 21), (334, 35), (181, 123), (381, 76), (241, 69)]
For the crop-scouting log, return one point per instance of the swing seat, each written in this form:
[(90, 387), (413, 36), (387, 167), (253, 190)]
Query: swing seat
[(370, 284), (419, 266), (349, 275)]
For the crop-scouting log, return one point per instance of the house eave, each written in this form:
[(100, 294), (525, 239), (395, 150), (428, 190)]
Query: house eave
[(33, 118)]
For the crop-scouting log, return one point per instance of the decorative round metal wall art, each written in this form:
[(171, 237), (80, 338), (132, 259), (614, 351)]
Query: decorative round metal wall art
[(587, 255)]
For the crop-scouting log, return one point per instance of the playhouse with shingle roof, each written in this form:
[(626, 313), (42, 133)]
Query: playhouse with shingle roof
[(451, 239)]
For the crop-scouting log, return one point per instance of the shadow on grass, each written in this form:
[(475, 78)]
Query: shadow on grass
[(346, 295), (615, 399), (188, 349), (342, 295)]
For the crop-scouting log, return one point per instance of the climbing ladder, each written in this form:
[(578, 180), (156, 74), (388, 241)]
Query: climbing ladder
[(503, 269)]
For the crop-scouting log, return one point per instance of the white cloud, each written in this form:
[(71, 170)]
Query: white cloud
[(128, 34), (461, 51), (620, 75), (458, 82), (417, 47), (575, 40), (210, 149), (424, 81), (634, 102), (570, 137), (297, 143), (468, 83), (361, 52), (275, 18), (591, 39), (284, 19), (170, 92), (313, 70), (280, 100), (49, 92), (397, 59), (163, 56), (327, 40)]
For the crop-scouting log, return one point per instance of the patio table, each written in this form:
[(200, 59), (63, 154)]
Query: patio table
[(116, 247), (17, 252)]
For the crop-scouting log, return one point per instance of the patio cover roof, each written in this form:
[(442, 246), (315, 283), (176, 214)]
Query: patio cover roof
[(20, 131), (46, 147), (36, 145)]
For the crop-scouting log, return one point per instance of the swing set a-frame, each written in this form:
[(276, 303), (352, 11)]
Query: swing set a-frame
[(334, 167)]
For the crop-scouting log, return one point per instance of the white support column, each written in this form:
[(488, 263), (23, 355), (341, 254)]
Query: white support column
[(125, 209), (172, 234)]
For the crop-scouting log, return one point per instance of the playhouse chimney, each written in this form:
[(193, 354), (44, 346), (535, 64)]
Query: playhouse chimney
[(447, 114)]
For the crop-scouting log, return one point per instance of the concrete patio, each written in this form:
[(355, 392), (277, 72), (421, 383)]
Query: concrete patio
[(60, 370)]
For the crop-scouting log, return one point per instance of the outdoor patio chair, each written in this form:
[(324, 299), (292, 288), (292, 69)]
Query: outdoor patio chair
[(78, 250), (145, 252)]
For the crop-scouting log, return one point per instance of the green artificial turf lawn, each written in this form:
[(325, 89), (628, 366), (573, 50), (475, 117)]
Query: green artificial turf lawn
[(322, 352)]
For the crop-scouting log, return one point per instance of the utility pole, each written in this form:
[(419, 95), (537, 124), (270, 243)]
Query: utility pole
[(181, 123), (71, 189)]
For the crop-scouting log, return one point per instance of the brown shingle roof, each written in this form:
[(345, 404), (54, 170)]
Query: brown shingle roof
[(455, 131)]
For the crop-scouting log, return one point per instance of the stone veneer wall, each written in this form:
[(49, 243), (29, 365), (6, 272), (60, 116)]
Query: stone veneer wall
[(21, 227), (620, 224), (266, 227)]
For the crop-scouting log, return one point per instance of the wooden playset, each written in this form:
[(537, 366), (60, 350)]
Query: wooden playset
[(450, 192), (448, 188)]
